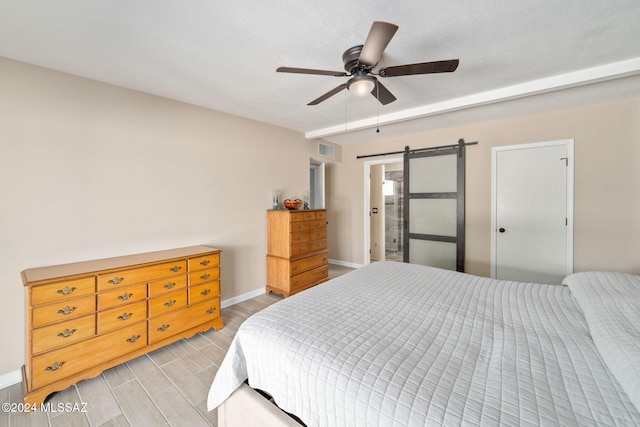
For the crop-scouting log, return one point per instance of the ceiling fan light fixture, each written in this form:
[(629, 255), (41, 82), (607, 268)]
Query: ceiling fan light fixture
[(361, 85)]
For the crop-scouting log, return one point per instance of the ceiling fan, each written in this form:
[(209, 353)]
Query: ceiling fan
[(359, 62)]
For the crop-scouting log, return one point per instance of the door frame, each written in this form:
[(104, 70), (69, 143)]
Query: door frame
[(569, 144), (367, 201)]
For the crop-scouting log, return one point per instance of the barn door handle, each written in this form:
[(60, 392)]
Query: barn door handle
[(502, 230)]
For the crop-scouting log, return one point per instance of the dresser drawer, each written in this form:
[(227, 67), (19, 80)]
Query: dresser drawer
[(63, 333), (121, 316), (167, 285), (321, 215), (66, 361), (63, 290), (204, 276), (143, 274), (166, 325), (309, 263), (299, 249), (122, 296), (299, 226), (319, 223), (309, 278), (296, 216), (318, 234), (299, 237), (167, 302), (202, 292), (317, 245), (202, 262), (63, 310)]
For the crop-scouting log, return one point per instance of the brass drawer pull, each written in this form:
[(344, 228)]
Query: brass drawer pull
[(296, 268), (125, 316), (300, 227), (67, 310), (205, 263), (170, 285), (300, 237), (116, 280), (295, 282), (300, 249), (133, 338), (125, 296), (55, 366), (66, 290), (205, 276), (163, 328), (170, 302), (205, 292), (67, 333), (211, 310), (175, 269), (324, 259)]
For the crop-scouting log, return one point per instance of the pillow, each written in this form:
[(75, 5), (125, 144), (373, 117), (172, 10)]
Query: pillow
[(611, 304)]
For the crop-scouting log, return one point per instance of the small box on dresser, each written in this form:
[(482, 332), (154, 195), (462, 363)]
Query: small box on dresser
[(86, 317), (297, 255)]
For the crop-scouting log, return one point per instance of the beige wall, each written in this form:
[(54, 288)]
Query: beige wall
[(89, 170), (607, 182)]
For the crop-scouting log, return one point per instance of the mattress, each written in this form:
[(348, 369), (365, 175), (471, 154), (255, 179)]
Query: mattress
[(394, 344)]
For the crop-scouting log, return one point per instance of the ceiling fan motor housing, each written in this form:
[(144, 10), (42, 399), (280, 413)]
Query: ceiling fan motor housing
[(350, 58)]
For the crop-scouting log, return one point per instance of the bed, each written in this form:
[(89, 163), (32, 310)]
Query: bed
[(394, 344)]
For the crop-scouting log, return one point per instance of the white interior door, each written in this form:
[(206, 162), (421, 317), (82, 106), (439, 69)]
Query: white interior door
[(532, 212)]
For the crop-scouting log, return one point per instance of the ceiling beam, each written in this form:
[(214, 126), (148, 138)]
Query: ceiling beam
[(583, 77)]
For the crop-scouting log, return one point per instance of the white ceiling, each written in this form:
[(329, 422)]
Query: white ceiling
[(223, 55)]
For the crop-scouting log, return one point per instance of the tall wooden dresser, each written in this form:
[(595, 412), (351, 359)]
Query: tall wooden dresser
[(86, 317), (297, 255)]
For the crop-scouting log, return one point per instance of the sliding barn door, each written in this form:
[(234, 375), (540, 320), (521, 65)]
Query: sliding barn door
[(434, 207)]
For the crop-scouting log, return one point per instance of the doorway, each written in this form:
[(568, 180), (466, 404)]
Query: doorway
[(532, 212), (383, 196), (316, 184)]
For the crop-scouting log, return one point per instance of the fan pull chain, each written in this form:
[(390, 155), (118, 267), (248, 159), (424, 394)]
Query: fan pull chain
[(345, 110), (377, 106)]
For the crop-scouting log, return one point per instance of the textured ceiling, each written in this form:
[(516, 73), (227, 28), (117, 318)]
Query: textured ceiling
[(223, 55)]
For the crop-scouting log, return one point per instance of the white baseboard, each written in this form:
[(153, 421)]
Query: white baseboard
[(345, 264), (10, 378), (235, 300)]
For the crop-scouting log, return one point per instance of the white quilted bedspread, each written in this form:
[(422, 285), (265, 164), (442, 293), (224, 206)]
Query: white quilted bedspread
[(395, 344)]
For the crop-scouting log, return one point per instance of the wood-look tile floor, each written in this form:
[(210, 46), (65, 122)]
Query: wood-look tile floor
[(167, 387)]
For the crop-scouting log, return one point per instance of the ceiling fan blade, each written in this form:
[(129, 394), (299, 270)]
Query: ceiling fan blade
[(420, 68), (328, 94), (382, 93), (311, 71), (379, 37)]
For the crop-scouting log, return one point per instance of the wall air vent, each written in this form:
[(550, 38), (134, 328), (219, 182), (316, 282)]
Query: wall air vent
[(327, 150)]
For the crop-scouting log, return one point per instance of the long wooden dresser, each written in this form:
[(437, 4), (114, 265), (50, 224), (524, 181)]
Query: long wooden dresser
[(297, 256), (86, 317)]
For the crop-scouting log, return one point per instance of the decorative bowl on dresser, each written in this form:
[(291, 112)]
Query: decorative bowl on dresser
[(86, 317), (297, 255)]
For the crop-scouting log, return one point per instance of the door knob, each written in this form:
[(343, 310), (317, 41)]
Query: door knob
[(502, 230)]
